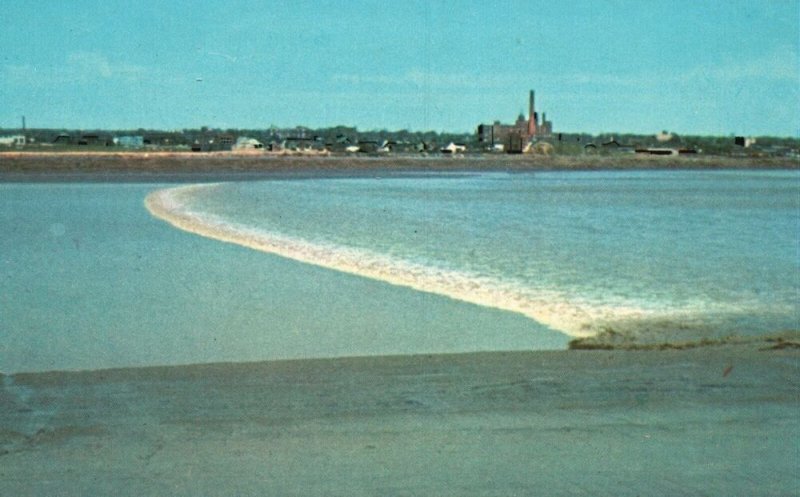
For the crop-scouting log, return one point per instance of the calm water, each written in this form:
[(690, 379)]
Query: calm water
[(91, 279)]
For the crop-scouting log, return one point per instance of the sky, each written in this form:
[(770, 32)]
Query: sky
[(640, 66)]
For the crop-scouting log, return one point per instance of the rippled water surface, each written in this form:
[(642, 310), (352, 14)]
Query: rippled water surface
[(90, 278), (712, 252)]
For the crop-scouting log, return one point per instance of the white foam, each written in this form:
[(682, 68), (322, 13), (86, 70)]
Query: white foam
[(573, 316)]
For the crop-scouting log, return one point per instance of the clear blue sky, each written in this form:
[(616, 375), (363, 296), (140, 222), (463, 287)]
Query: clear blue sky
[(693, 67)]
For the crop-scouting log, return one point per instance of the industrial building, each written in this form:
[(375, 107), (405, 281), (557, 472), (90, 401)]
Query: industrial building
[(516, 137)]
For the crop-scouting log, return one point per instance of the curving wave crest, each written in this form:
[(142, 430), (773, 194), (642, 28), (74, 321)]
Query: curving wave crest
[(572, 315)]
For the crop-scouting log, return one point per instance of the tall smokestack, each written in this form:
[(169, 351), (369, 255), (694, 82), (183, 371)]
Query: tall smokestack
[(23, 124), (532, 117)]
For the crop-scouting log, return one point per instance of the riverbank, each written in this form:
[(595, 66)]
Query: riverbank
[(184, 166), (714, 421)]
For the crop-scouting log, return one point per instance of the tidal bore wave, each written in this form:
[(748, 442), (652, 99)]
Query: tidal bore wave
[(573, 316)]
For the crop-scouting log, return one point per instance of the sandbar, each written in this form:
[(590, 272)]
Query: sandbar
[(717, 420)]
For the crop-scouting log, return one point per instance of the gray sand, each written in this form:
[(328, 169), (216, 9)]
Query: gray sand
[(711, 421)]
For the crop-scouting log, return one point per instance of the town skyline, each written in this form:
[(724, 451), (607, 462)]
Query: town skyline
[(613, 66)]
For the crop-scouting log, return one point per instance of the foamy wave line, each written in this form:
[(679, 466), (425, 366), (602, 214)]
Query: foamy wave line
[(554, 309)]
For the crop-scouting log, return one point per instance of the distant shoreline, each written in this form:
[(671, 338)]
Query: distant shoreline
[(188, 166)]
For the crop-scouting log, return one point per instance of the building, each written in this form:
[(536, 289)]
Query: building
[(95, 139), (156, 140), (657, 151), (545, 129), (245, 143), (129, 141), (491, 134), (744, 142), (62, 139), (515, 137), (208, 142), (13, 140), (453, 148)]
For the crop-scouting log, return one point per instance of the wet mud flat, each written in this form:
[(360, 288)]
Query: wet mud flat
[(716, 420), (221, 166)]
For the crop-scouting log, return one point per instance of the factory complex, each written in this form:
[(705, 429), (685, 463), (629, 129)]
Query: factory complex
[(517, 137)]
